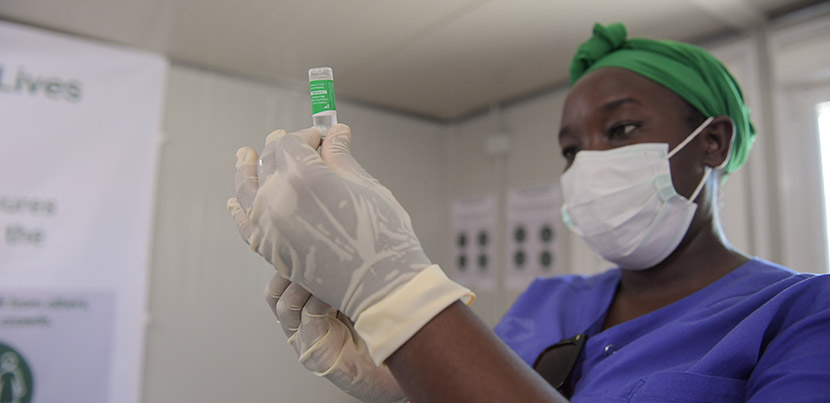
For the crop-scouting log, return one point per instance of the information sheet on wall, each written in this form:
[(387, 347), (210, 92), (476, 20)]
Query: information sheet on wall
[(534, 234), (474, 221), (78, 160)]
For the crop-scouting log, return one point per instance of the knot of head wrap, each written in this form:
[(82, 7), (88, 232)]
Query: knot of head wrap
[(687, 70), (606, 39)]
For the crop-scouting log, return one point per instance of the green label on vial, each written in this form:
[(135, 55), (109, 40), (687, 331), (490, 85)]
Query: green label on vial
[(322, 96)]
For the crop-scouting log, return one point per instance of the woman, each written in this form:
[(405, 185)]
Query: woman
[(648, 129)]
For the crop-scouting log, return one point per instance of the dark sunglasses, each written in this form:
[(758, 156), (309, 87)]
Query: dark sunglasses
[(556, 362)]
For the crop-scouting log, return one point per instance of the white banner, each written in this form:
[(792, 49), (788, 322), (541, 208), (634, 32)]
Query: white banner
[(79, 136)]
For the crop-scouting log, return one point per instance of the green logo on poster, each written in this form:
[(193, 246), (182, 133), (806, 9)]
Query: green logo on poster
[(16, 384)]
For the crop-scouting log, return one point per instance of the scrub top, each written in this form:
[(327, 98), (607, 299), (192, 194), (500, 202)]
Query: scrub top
[(761, 334)]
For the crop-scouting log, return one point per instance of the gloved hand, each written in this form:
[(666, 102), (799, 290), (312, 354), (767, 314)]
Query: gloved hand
[(328, 345), (330, 227), (323, 338)]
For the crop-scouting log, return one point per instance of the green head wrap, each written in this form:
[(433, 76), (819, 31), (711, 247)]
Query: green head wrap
[(691, 72)]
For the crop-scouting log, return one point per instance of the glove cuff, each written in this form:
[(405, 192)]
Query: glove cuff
[(389, 323)]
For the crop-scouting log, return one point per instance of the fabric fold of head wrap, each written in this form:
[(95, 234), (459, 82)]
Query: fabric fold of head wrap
[(689, 71)]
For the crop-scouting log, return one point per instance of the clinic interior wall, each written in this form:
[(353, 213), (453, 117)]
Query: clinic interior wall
[(533, 159), (799, 79), (210, 335)]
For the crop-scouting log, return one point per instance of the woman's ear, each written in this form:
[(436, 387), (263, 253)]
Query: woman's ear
[(717, 140)]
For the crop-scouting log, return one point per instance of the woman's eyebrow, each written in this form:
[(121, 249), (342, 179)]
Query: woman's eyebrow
[(609, 106)]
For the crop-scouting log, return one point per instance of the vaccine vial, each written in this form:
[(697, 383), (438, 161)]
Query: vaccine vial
[(323, 110)]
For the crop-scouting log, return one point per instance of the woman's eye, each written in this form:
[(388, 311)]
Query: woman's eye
[(569, 153), (622, 130)]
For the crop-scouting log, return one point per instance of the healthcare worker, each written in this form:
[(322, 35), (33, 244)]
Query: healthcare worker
[(649, 130)]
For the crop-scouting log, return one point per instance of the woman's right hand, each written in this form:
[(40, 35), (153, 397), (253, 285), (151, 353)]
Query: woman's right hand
[(327, 344)]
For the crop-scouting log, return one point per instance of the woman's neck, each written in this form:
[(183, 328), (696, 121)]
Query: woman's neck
[(700, 260)]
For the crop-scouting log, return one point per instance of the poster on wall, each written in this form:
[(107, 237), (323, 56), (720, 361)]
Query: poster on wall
[(534, 234), (474, 221), (79, 140)]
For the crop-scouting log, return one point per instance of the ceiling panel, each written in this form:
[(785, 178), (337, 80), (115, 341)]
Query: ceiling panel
[(285, 38), (439, 59), (776, 7), (489, 55), (123, 21)]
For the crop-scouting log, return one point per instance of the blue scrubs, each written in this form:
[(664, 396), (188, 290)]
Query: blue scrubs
[(761, 334)]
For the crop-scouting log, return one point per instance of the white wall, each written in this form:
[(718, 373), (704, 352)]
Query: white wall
[(211, 337), (534, 158), (800, 78)]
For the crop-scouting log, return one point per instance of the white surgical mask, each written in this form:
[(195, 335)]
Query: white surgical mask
[(623, 204)]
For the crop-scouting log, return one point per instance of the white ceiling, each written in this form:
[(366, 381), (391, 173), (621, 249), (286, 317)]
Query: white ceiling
[(441, 59)]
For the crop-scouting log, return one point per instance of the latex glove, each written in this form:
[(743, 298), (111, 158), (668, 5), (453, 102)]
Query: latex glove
[(323, 338), (328, 345), (330, 227)]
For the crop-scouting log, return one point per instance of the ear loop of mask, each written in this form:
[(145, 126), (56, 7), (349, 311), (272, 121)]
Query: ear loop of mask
[(690, 137), (707, 170), (728, 153)]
